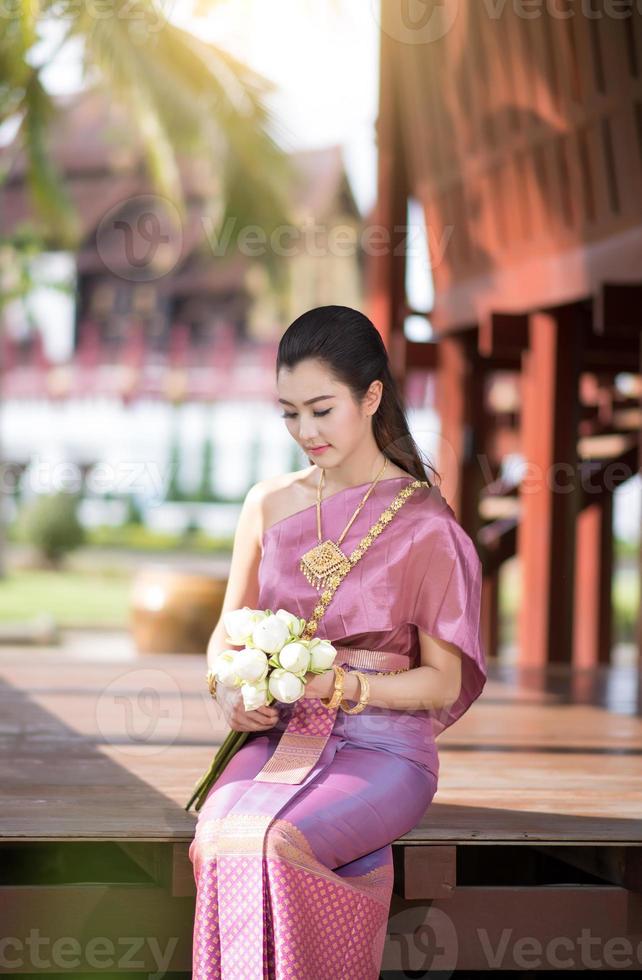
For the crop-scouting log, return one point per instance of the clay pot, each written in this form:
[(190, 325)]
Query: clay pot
[(174, 610)]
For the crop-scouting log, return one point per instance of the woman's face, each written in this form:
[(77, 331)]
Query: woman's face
[(335, 422)]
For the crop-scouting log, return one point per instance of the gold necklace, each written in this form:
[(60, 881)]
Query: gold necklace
[(326, 559)]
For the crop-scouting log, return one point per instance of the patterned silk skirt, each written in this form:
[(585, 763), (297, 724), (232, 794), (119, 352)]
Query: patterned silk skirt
[(294, 879)]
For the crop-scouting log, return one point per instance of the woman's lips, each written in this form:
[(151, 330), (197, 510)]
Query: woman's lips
[(321, 449)]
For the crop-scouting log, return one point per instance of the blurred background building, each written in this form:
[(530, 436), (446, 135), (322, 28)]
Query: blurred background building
[(157, 351), (138, 351)]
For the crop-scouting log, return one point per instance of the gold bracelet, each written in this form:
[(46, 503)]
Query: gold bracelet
[(337, 694), (211, 682), (364, 695)]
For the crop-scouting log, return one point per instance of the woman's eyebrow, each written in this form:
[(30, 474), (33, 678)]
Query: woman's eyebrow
[(310, 401)]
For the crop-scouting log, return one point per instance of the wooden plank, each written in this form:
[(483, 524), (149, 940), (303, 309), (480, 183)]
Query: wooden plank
[(430, 872), (150, 856), (513, 928), (520, 766), (85, 929), (106, 927), (616, 865), (183, 882)]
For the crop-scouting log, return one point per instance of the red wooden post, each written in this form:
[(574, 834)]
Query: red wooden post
[(460, 404), (550, 490), (593, 574), (385, 270)]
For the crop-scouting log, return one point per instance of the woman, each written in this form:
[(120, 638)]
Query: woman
[(292, 852)]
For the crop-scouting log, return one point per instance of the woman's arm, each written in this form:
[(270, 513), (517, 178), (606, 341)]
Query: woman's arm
[(242, 589), (433, 685)]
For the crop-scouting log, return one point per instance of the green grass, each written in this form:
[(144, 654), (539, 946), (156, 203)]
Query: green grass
[(137, 537), (626, 602), (72, 598)]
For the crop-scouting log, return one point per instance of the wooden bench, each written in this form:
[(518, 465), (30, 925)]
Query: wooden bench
[(533, 840)]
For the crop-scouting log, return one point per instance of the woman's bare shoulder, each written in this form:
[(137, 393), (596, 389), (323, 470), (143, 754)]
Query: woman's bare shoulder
[(285, 494)]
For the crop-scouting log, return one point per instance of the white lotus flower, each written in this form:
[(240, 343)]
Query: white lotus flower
[(285, 686), (239, 623), (250, 665), (254, 695), (271, 634), (295, 625), (295, 657), (322, 654), (224, 667)]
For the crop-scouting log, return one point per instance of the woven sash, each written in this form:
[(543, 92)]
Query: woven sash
[(311, 722)]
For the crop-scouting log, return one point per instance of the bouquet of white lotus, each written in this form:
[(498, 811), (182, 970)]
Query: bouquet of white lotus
[(271, 666)]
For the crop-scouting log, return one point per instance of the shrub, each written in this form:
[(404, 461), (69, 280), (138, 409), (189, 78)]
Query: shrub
[(134, 514), (51, 525)]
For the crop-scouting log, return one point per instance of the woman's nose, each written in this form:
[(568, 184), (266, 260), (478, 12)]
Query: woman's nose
[(308, 432)]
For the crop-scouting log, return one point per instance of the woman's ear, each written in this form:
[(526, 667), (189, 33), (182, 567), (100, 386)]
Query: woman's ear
[(372, 398)]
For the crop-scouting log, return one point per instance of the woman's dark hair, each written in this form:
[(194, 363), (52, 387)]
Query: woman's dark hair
[(352, 348)]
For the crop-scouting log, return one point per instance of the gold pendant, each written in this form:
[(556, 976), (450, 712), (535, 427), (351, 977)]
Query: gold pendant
[(322, 562)]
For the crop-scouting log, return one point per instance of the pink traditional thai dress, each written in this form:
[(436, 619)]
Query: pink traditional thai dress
[(292, 852)]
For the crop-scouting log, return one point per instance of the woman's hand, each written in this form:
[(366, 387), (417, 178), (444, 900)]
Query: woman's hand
[(319, 685), (240, 720)]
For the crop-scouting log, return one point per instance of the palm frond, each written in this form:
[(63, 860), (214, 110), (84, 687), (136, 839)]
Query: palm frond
[(203, 102), (45, 182), (14, 68), (184, 95)]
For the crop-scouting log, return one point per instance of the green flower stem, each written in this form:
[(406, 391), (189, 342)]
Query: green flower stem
[(228, 749)]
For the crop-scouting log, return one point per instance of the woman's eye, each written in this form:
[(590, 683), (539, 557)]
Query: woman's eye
[(290, 415)]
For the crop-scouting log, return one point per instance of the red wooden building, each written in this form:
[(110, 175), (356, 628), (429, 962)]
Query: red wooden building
[(519, 130)]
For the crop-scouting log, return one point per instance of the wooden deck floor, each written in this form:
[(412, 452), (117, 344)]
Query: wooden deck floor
[(535, 830), (105, 751)]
